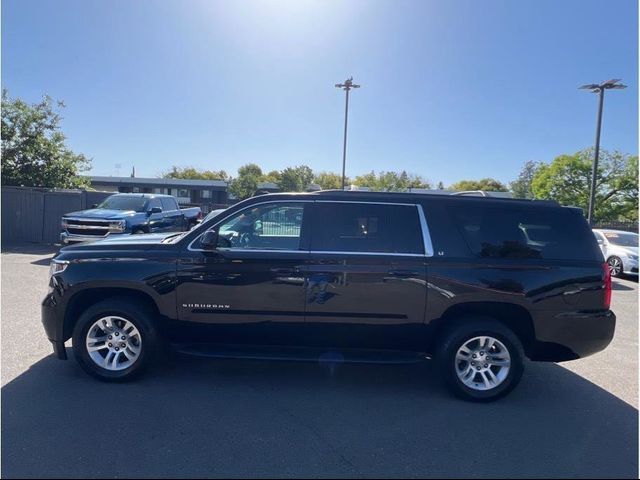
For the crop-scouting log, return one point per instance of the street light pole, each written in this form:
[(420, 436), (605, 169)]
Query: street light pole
[(346, 86), (599, 89)]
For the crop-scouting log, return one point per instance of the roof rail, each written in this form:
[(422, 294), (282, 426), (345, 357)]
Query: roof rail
[(475, 193)]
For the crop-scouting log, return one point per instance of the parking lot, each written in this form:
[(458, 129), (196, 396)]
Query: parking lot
[(223, 418)]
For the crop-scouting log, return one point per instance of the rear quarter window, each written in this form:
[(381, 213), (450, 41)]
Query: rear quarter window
[(525, 233)]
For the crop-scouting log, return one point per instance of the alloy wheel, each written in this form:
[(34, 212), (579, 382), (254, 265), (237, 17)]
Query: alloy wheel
[(482, 363), (113, 343)]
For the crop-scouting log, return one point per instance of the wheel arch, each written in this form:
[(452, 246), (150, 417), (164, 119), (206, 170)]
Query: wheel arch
[(513, 316), (83, 299)]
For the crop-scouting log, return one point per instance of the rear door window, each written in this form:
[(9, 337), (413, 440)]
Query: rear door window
[(367, 228), (517, 232)]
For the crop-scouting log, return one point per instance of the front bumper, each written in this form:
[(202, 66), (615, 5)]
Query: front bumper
[(53, 322), (67, 238), (630, 266)]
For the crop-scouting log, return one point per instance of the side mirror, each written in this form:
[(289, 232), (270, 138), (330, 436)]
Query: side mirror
[(209, 240), (153, 210)]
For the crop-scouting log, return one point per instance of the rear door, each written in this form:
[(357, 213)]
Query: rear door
[(366, 275)]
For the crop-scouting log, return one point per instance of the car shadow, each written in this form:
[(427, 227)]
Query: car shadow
[(232, 418), (620, 286)]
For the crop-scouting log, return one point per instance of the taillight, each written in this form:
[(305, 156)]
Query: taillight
[(607, 285)]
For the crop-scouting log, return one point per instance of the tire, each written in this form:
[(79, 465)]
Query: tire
[(138, 231), (128, 364), (469, 329), (616, 266)]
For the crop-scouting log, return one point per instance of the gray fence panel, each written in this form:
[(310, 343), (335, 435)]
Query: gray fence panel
[(57, 204), (33, 214), (22, 215)]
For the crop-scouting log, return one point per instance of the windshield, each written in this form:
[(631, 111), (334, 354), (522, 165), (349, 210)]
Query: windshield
[(622, 239), (122, 202)]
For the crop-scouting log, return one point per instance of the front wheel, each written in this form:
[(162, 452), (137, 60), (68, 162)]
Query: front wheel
[(615, 266), (115, 339), (480, 359)]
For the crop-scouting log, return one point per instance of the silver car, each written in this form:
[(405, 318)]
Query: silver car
[(620, 250)]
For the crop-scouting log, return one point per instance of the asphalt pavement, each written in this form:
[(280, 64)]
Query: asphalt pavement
[(230, 418)]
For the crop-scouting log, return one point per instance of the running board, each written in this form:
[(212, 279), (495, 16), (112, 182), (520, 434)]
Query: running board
[(298, 354)]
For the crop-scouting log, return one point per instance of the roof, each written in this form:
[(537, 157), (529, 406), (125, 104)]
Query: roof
[(157, 181)]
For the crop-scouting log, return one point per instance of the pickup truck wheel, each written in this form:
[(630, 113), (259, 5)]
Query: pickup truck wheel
[(114, 340), (480, 359), (138, 231)]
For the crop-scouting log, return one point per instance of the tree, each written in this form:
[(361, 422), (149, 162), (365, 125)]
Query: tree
[(295, 179), (329, 180), (273, 176), (486, 184), (521, 186), (246, 183), (390, 181), (34, 152), (191, 173), (568, 180)]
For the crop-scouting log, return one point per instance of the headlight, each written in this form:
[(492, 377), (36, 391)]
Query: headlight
[(57, 266), (633, 257), (64, 224), (117, 226)]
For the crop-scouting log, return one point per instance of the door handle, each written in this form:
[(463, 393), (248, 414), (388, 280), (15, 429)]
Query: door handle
[(403, 273), (284, 271)]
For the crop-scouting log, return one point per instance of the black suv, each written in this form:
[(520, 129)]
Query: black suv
[(476, 283)]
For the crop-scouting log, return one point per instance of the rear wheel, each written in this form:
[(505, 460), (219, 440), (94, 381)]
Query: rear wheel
[(480, 359), (615, 266), (115, 340)]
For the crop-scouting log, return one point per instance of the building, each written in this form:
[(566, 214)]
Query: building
[(186, 191)]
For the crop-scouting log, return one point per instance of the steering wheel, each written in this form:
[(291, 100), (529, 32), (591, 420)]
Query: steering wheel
[(244, 240)]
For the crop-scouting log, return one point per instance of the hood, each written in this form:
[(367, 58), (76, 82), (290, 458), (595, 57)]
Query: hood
[(101, 213), (123, 242)]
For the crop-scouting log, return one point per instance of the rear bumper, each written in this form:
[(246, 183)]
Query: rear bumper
[(572, 335)]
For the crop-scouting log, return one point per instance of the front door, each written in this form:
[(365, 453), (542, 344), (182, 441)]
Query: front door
[(366, 276), (251, 288)]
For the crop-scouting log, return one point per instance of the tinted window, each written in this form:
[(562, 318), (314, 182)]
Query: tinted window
[(169, 204), (513, 232), (272, 226), (361, 227)]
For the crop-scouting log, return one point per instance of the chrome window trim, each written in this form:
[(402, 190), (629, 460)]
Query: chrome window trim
[(377, 254), (426, 236)]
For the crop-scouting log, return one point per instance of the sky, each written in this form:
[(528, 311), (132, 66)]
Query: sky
[(451, 89)]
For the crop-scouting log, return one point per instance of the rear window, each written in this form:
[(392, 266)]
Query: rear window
[(367, 228), (516, 232)]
